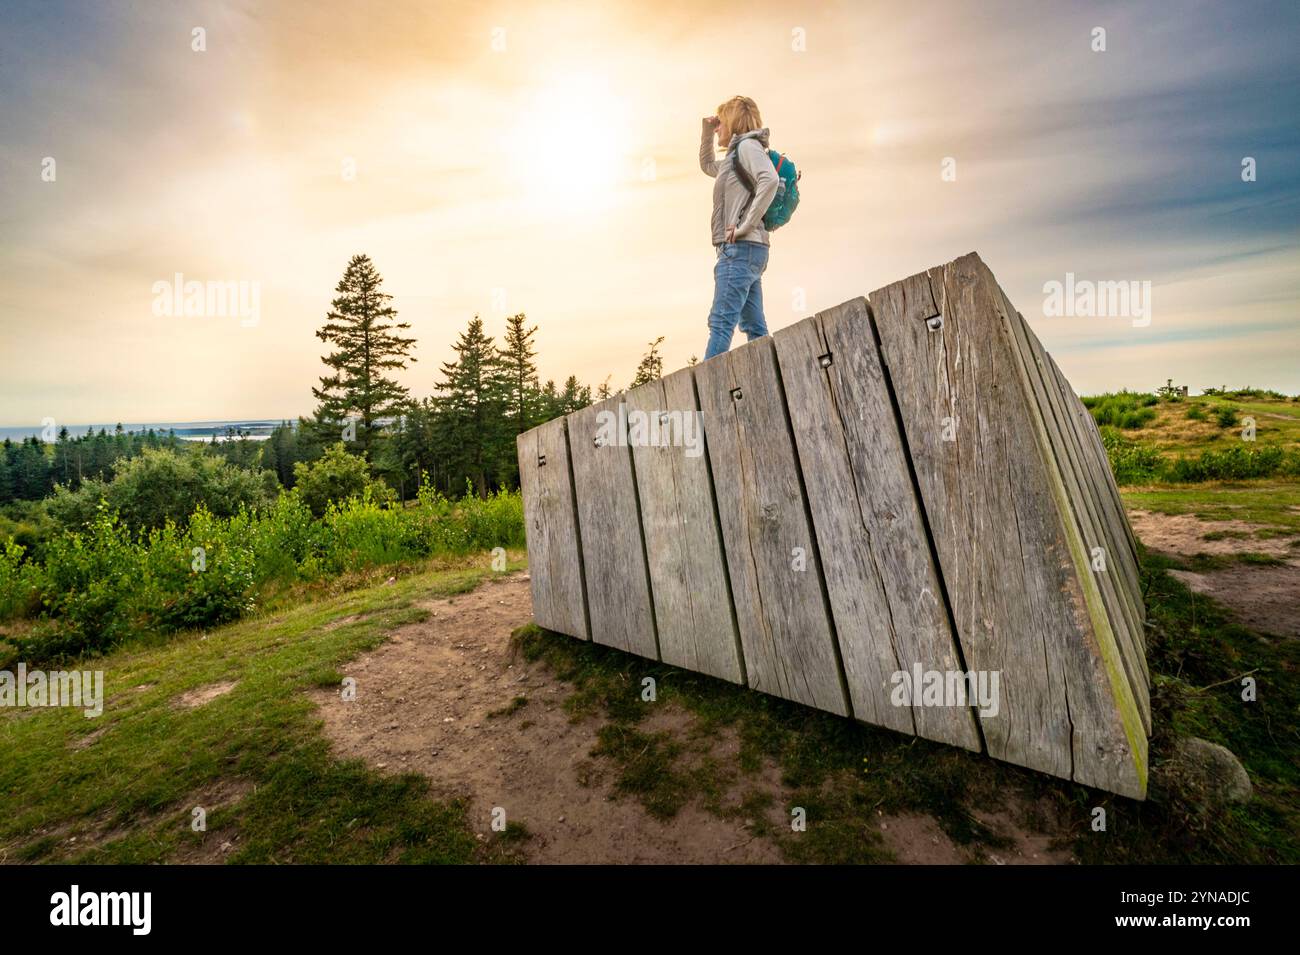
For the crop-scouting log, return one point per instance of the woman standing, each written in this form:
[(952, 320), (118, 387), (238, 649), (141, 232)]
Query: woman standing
[(739, 236)]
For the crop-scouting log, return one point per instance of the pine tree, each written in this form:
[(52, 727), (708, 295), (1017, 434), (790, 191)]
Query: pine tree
[(652, 365), (520, 372), (471, 428), (574, 396), (361, 326)]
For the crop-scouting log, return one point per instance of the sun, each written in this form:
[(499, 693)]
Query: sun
[(569, 146)]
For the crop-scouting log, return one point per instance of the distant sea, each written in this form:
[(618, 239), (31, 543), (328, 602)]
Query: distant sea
[(256, 429)]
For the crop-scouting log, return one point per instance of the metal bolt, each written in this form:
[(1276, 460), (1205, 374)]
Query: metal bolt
[(934, 323)]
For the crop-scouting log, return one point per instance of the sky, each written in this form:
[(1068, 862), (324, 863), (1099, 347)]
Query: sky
[(537, 157)]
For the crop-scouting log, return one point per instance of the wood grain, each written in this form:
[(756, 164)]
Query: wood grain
[(609, 527), (1010, 560), (550, 522), (688, 573), (785, 630), (885, 596)]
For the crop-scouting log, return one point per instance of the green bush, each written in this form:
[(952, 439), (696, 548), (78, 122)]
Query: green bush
[(364, 533), (89, 580), (1196, 413), (20, 582), (1231, 465), (336, 477), (102, 585), (1226, 416), (162, 485), (199, 577), (1130, 462), (1124, 409)]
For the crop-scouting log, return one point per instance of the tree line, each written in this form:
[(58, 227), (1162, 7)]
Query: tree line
[(461, 435)]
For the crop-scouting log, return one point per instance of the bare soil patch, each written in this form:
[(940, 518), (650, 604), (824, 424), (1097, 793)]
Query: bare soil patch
[(1183, 535), (1265, 597), (200, 695), (424, 704)]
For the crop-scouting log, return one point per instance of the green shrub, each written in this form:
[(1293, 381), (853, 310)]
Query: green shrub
[(102, 585), (161, 485), (1225, 416), (364, 533), (199, 577), (1231, 465), (1196, 413), (1124, 409), (90, 577), (1131, 463), (20, 582), (336, 477)]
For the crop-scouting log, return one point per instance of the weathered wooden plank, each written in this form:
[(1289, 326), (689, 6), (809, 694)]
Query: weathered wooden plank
[(609, 528), (1102, 499), (885, 596), (785, 631), (1014, 567), (1082, 510), (688, 574), (1090, 437), (550, 522)]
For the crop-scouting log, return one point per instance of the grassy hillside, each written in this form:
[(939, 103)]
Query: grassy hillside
[(1199, 422), (121, 788)]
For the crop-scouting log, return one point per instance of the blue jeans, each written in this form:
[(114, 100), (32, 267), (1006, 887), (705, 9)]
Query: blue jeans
[(737, 294)]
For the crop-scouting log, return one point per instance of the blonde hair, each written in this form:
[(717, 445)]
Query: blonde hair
[(740, 113)]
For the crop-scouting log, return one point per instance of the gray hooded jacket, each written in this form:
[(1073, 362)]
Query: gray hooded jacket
[(730, 197)]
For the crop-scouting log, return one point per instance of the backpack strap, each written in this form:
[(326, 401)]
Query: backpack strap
[(743, 175), (741, 172)]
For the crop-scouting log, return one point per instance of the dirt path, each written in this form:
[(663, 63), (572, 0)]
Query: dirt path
[(425, 703), (1265, 597)]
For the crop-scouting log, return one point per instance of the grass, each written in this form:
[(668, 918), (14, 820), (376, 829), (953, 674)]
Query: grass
[(1202, 422), (1272, 504), (127, 796), (844, 774)]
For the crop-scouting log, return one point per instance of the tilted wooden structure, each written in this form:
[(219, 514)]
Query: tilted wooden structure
[(903, 483)]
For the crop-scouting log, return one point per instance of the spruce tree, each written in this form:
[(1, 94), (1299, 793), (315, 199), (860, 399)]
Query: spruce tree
[(574, 396), (652, 365), (362, 328), (520, 372), (471, 427)]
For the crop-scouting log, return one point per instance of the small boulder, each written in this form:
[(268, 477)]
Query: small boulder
[(1202, 774)]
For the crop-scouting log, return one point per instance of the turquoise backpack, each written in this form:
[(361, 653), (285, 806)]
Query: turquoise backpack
[(787, 189)]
